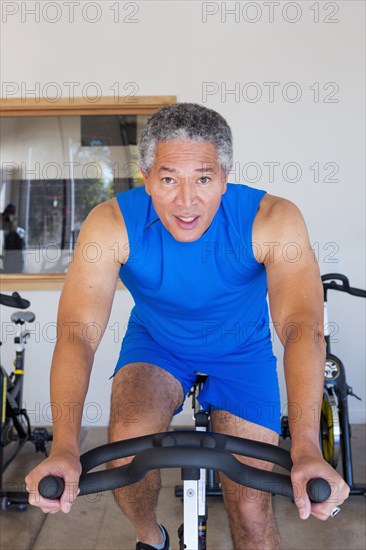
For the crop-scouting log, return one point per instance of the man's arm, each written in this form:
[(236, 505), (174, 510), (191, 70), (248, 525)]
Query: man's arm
[(83, 314), (296, 303)]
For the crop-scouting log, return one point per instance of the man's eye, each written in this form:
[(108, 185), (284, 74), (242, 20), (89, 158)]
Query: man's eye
[(204, 180), (168, 180)]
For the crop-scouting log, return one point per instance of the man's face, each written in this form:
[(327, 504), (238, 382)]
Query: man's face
[(186, 183)]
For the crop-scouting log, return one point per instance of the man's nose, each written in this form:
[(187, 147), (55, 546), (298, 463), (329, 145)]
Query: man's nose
[(186, 195)]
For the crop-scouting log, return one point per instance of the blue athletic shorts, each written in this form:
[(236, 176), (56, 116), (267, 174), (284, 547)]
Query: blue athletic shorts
[(236, 383)]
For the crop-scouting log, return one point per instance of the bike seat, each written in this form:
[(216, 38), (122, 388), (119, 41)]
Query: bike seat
[(200, 377), (21, 317)]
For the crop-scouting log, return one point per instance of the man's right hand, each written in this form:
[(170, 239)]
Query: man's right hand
[(62, 464)]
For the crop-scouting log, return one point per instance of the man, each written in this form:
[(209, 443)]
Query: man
[(198, 255)]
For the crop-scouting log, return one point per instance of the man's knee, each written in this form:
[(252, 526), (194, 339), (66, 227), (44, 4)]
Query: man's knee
[(241, 498), (144, 399), (248, 508)]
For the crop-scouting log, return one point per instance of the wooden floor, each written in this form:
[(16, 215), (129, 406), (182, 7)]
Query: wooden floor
[(95, 522)]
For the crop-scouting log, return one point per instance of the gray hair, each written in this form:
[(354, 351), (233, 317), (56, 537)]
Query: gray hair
[(185, 122)]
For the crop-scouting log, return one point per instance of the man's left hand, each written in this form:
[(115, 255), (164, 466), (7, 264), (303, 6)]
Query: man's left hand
[(310, 467)]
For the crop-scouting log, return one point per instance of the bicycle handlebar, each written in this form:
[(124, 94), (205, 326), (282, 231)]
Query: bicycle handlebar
[(344, 287), (185, 449), (15, 300)]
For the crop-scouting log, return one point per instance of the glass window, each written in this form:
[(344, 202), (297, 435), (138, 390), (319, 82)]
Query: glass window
[(54, 170)]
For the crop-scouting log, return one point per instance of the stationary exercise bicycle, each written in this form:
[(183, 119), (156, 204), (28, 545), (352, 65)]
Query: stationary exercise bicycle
[(335, 429), (15, 428)]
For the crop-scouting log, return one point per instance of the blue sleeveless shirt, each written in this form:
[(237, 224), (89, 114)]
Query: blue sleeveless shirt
[(201, 299)]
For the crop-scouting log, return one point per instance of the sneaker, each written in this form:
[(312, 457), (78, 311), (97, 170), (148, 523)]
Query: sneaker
[(143, 546)]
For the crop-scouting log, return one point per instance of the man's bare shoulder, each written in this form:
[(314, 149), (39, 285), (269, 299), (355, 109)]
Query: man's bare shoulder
[(278, 220), (276, 214), (105, 226), (273, 208), (106, 212), (106, 218)]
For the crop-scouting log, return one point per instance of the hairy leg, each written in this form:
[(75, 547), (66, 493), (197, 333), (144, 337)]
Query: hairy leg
[(251, 518), (144, 398)]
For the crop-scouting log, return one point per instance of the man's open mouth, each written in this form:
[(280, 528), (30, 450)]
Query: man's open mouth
[(187, 222)]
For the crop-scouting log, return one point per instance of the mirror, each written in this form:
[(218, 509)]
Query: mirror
[(55, 167)]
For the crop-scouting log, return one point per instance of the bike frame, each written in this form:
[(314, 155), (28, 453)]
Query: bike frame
[(195, 492)]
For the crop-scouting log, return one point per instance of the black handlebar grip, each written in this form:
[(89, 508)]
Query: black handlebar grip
[(318, 489), (51, 487), (21, 302)]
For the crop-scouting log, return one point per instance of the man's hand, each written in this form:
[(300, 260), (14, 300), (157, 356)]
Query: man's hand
[(311, 466), (62, 464)]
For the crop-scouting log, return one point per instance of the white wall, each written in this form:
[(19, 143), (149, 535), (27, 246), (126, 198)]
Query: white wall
[(170, 50)]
